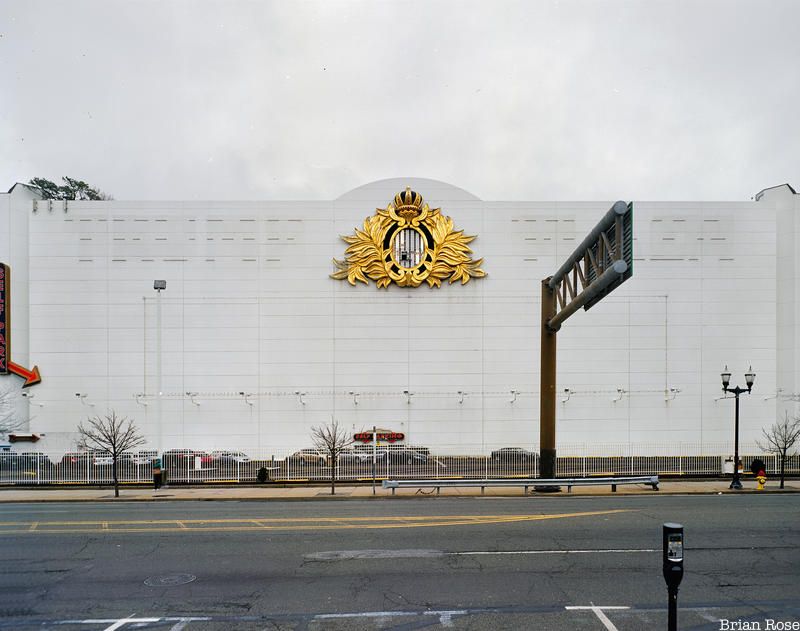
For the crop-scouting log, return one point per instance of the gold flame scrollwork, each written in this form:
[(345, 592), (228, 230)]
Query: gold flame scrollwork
[(408, 243)]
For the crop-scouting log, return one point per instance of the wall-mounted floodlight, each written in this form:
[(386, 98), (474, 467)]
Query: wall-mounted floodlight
[(460, 394), (300, 396), (191, 396), (30, 396), (246, 396), (567, 395), (514, 394), (139, 399), (620, 393), (671, 393), (82, 397), (355, 397), (159, 285), (408, 396), (778, 393)]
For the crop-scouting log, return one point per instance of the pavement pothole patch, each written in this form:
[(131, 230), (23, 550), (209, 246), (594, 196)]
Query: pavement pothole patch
[(169, 580)]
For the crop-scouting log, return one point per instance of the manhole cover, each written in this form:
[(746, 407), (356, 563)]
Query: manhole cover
[(169, 579)]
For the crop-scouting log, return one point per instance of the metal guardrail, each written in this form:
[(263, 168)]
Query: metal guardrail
[(651, 480)]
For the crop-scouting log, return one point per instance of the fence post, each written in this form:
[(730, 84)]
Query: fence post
[(584, 460)]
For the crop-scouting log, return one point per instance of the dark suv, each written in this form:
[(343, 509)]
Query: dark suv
[(400, 454)]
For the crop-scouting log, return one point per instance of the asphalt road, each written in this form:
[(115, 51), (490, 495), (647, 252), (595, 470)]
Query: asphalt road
[(460, 563)]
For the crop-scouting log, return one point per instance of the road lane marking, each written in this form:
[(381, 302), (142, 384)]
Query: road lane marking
[(117, 623), (445, 616), (598, 611), (123, 621), (287, 524), (501, 552), (351, 555)]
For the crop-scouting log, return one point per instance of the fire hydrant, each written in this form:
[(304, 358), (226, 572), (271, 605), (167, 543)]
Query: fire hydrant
[(759, 470), (761, 478)]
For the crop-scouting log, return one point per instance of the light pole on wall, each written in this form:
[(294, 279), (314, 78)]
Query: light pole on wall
[(749, 378), (159, 286)]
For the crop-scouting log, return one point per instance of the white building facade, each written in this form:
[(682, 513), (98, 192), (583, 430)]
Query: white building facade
[(253, 342)]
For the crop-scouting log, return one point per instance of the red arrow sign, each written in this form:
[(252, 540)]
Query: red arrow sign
[(30, 376)]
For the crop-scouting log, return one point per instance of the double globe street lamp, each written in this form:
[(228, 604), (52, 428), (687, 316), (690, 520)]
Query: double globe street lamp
[(749, 378)]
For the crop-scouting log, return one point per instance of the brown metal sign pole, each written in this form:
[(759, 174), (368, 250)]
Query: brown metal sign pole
[(547, 389)]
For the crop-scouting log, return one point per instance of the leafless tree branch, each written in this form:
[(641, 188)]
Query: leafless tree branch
[(780, 440), (9, 421), (112, 434), (331, 439)]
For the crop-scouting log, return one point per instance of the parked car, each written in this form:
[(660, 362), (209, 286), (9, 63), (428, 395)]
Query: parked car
[(74, 459), (28, 460), (351, 456), (512, 454), (230, 456), (105, 459), (400, 455), (144, 457), (186, 459), (367, 448), (308, 456)]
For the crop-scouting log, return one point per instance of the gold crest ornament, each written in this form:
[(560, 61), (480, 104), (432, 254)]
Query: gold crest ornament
[(409, 244)]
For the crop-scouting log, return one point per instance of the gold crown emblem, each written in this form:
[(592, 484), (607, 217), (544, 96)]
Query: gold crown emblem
[(408, 204)]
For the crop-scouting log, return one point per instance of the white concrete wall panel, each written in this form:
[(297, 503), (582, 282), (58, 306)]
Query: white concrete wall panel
[(249, 307)]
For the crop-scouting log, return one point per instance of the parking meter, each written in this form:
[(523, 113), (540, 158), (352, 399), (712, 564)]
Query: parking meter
[(673, 568)]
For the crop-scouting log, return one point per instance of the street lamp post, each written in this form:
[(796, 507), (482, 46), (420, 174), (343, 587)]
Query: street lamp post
[(749, 378), (159, 286)]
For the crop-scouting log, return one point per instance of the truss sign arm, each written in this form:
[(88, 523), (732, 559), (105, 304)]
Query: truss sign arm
[(594, 290), (618, 209), (602, 262)]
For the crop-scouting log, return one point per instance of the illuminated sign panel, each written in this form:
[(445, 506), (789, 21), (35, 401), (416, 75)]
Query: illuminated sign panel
[(5, 317), (32, 376), (380, 435)]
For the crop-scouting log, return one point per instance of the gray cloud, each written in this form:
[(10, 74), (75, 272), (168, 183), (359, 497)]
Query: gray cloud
[(509, 100)]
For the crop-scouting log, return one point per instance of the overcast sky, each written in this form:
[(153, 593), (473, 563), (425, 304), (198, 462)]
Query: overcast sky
[(542, 100)]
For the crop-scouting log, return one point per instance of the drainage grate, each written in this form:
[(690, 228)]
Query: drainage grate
[(169, 579)]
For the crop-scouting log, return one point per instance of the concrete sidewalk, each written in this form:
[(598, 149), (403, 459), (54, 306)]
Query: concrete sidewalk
[(361, 492)]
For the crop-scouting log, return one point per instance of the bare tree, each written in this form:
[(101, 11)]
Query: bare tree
[(331, 439), (780, 440), (9, 421), (112, 434)]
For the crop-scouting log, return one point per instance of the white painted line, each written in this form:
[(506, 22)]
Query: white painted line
[(512, 552), (349, 555), (598, 611), (123, 621), (446, 617), (366, 614)]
